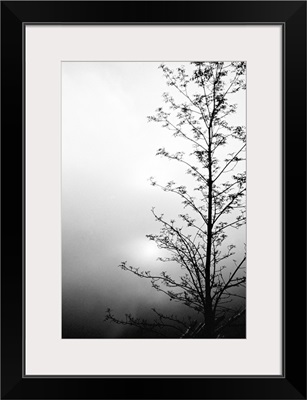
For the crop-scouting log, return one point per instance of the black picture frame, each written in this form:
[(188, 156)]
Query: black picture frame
[(292, 16)]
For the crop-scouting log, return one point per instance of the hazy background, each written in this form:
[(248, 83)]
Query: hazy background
[(108, 154)]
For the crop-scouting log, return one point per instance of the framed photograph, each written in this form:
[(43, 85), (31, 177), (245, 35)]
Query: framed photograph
[(153, 200)]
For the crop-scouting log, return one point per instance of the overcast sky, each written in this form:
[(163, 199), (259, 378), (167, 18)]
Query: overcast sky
[(108, 155)]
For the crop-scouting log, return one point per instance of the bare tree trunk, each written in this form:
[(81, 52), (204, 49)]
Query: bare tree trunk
[(209, 317)]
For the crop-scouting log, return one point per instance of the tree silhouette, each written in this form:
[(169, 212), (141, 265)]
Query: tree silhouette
[(199, 110)]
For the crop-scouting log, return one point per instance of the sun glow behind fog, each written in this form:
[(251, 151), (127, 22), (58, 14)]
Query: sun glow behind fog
[(149, 250)]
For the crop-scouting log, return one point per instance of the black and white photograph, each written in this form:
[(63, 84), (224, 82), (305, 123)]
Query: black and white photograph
[(154, 200)]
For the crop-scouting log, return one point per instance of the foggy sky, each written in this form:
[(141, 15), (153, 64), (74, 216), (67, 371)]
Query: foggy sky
[(108, 155)]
